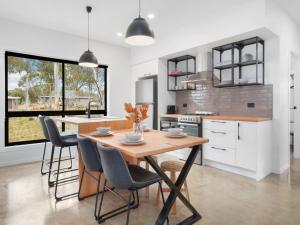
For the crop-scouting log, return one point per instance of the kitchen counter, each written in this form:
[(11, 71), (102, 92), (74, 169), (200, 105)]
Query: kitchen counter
[(82, 120), (170, 115), (238, 118)]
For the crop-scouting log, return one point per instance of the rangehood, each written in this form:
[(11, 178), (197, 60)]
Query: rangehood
[(204, 68), (200, 77)]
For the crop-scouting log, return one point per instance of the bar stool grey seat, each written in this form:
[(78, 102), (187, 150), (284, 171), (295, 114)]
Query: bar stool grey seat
[(62, 142), (123, 176), (92, 163), (47, 139)]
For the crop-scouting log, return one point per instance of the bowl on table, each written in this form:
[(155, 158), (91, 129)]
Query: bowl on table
[(175, 131), (103, 130), (133, 137)]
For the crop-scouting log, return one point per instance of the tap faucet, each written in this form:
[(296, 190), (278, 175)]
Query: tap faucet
[(88, 110)]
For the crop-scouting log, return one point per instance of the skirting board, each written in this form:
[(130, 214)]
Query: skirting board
[(232, 169), (26, 154)]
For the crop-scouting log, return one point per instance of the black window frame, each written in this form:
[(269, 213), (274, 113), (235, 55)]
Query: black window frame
[(62, 112)]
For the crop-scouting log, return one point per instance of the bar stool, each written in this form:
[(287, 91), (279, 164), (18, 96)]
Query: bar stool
[(147, 167), (173, 167), (92, 163), (63, 142), (47, 139)]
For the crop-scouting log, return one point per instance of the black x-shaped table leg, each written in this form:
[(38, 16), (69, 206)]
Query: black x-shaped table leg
[(175, 189)]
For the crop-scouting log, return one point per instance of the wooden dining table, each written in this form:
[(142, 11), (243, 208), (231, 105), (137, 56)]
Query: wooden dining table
[(156, 142)]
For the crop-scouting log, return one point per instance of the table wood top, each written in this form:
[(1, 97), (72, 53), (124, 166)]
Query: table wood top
[(84, 120), (156, 143)]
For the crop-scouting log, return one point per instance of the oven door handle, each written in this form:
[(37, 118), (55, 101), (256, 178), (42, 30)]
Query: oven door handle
[(188, 124)]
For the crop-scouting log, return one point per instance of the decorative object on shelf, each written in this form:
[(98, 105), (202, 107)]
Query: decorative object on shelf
[(137, 115), (248, 57), (239, 63), (179, 71), (88, 59), (139, 33)]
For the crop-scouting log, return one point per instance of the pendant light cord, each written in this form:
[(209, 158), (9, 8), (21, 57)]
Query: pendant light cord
[(88, 31), (139, 8)]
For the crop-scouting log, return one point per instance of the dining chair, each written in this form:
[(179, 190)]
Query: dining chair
[(92, 163), (62, 142), (124, 176), (47, 139)]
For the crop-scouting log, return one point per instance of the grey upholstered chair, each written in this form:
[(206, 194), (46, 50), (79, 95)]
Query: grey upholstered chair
[(123, 176), (92, 163), (62, 142), (47, 139)]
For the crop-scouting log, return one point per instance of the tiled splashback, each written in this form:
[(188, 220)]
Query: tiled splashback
[(228, 101)]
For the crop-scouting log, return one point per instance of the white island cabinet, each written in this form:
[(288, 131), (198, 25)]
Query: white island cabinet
[(239, 146)]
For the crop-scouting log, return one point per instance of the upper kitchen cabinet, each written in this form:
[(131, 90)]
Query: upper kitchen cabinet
[(239, 64), (179, 70)]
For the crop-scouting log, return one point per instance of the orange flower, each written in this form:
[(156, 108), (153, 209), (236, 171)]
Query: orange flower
[(136, 114), (128, 107), (144, 110)]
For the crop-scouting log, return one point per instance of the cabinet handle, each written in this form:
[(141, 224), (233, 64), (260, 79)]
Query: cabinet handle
[(223, 149), (218, 132), (214, 121), (239, 131)]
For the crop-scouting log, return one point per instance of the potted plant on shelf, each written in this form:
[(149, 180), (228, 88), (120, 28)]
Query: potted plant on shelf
[(137, 115)]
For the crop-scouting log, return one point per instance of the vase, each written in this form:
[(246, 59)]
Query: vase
[(138, 129)]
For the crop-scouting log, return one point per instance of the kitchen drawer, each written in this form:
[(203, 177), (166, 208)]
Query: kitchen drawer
[(221, 138), (220, 125), (219, 154)]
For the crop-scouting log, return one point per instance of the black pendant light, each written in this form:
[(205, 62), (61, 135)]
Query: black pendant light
[(139, 33), (88, 59)]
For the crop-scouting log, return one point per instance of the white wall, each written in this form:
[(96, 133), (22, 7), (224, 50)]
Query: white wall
[(288, 41), (37, 41)]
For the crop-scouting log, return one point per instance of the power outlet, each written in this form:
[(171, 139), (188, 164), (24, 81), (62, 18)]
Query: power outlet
[(251, 105)]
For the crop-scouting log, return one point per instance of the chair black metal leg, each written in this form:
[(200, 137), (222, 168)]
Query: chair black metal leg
[(163, 198), (57, 175), (101, 202), (128, 209), (43, 159), (51, 183), (97, 196), (81, 180), (70, 158), (57, 181), (102, 218), (175, 189)]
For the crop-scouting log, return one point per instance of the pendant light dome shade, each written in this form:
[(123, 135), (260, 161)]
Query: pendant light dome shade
[(88, 59), (139, 33)]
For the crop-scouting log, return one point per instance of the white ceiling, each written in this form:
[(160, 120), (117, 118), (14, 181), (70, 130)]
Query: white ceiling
[(110, 16)]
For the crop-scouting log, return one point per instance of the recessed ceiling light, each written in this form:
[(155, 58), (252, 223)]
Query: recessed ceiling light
[(151, 16), (119, 34)]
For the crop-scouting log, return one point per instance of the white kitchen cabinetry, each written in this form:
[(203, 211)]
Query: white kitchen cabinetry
[(238, 146)]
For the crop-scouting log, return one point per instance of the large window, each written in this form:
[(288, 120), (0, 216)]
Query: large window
[(52, 87)]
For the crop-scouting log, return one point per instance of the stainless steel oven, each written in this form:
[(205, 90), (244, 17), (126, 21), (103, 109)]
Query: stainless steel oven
[(192, 129)]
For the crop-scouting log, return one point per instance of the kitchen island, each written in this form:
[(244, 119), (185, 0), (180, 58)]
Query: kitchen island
[(88, 125)]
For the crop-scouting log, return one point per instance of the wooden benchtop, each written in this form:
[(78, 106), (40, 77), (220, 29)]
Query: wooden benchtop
[(84, 120), (238, 118), (170, 115)]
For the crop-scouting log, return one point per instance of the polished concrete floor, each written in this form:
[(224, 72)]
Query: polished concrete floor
[(221, 198)]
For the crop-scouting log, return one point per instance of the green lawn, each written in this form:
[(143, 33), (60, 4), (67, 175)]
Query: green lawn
[(24, 129)]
